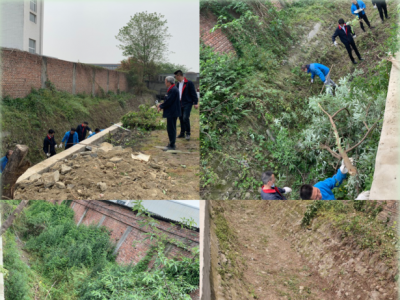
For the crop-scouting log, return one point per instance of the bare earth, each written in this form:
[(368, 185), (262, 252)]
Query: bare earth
[(165, 176)]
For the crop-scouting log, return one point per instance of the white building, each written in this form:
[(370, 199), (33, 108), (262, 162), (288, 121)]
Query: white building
[(22, 25)]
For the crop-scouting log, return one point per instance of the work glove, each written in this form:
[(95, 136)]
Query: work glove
[(343, 168), (90, 132), (363, 196), (335, 43), (374, 7), (60, 145), (326, 81), (312, 80), (354, 36), (287, 190), (48, 154), (55, 146)]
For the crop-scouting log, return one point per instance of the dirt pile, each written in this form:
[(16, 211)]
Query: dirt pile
[(107, 172)]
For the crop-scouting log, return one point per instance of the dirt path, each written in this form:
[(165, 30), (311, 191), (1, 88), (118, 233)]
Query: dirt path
[(274, 269)]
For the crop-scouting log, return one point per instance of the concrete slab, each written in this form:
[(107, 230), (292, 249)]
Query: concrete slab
[(45, 165), (205, 256), (386, 182), (1, 264)]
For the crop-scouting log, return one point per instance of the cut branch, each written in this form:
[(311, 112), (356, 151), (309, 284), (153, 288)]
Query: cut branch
[(344, 108), (334, 154), (349, 166), (365, 136)]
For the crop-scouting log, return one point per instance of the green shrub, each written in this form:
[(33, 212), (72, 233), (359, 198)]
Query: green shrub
[(16, 281), (146, 118)]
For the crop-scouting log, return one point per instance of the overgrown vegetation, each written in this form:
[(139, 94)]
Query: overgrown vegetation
[(66, 261), (259, 111), (27, 120), (145, 118), (358, 220)]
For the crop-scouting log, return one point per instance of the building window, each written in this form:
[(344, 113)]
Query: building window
[(32, 17), (32, 46), (33, 5)]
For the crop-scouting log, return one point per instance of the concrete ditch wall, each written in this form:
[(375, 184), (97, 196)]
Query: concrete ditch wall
[(21, 71), (45, 165), (386, 182), (205, 257), (1, 264)]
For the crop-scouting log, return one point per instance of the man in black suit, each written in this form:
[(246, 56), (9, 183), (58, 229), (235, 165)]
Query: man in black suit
[(382, 7), (345, 34), (49, 144), (172, 110), (82, 129), (188, 97)]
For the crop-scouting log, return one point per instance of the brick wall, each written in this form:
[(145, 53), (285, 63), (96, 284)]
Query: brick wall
[(59, 72), (22, 71), (217, 39)]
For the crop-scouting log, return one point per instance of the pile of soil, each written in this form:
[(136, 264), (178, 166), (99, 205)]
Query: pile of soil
[(107, 172)]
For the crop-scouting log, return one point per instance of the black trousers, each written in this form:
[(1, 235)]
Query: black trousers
[(382, 7), (68, 146), (171, 129), (348, 48), (184, 119), (365, 18)]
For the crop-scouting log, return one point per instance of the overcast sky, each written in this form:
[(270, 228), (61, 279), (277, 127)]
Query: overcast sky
[(85, 30)]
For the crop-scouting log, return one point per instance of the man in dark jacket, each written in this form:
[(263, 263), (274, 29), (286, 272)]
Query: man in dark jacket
[(357, 8), (345, 34), (49, 142), (188, 97), (382, 7), (82, 129), (172, 110), (269, 191)]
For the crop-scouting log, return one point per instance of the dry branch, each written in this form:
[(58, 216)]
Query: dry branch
[(342, 153)]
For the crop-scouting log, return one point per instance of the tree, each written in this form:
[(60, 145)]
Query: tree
[(144, 39), (13, 215)]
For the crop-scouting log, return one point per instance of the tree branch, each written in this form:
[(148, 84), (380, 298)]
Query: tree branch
[(349, 166), (365, 136)]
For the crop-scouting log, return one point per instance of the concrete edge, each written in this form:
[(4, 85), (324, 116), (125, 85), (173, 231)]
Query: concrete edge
[(45, 165), (205, 251), (1, 264), (387, 169)]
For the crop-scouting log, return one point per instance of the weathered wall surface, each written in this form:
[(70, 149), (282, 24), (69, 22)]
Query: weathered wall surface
[(22, 71), (216, 39)]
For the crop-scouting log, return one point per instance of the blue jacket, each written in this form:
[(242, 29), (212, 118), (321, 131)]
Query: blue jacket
[(189, 94), (93, 133), (3, 162), (354, 8), (329, 184), (66, 137), (171, 106), (319, 70)]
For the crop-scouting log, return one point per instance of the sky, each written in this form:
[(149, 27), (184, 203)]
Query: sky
[(84, 31)]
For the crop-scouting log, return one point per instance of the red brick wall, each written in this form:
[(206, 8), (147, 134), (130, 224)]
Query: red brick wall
[(59, 72), (113, 84), (119, 218), (217, 39), (101, 80), (123, 82), (83, 81), (20, 72)]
